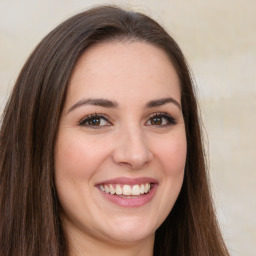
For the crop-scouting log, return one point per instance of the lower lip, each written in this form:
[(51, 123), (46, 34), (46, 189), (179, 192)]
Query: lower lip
[(135, 201)]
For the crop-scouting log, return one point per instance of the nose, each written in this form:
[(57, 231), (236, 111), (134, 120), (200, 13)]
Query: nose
[(132, 150)]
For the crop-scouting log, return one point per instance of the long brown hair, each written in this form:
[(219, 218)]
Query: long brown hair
[(30, 223)]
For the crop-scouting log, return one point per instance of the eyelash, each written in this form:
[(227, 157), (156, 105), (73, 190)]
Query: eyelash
[(85, 121), (170, 120)]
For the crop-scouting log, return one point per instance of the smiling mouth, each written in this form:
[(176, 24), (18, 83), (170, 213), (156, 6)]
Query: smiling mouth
[(125, 190)]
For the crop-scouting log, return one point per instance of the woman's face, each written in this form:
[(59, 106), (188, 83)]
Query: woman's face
[(121, 146)]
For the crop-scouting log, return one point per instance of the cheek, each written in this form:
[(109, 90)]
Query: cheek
[(172, 154), (77, 157)]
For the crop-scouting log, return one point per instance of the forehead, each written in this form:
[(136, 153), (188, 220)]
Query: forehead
[(127, 69)]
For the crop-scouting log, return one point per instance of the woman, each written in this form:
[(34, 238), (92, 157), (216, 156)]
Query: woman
[(101, 148)]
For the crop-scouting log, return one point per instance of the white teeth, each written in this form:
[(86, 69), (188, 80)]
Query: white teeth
[(142, 189), (112, 190), (126, 189), (136, 190), (119, 190), (147, 187), (106, 188)]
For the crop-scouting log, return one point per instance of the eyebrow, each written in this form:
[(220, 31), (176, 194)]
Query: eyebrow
[(96, 102), (160, 102), (112, 104)]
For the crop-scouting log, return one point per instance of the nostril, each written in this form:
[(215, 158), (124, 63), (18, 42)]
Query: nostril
[(133, 153)]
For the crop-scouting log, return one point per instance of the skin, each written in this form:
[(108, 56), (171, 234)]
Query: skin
[(127, 142)]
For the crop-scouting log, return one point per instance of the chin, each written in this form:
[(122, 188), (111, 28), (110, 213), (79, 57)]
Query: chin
[(129, 231)]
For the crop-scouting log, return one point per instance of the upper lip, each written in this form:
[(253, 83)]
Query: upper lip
[(129, 181)]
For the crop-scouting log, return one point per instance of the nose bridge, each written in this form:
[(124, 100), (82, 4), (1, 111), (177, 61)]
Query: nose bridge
[(132, 148)]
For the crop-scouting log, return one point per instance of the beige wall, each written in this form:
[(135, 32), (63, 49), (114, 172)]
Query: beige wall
[(219, 39)]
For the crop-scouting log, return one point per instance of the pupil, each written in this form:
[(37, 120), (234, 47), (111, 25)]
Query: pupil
[(95, 121), (156, 121)]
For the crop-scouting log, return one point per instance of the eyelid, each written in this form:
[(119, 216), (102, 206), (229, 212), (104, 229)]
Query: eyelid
[(95, 115), (169, 117)]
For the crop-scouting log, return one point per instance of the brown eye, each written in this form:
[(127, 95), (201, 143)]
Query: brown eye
[(161, 119), (94, 121), (156, 120)]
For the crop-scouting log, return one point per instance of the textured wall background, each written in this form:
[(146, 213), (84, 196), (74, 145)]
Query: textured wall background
[(219, 39)]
